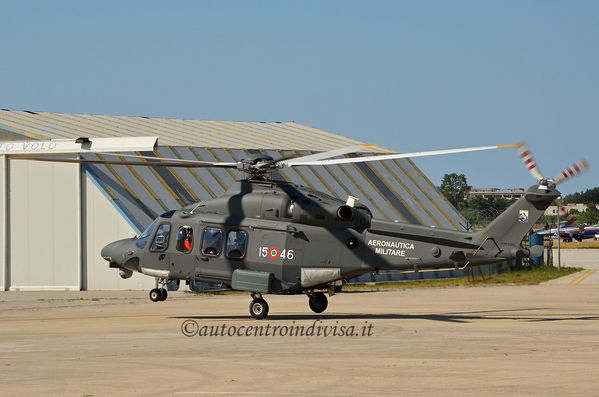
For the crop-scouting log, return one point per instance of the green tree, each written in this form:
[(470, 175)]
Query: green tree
[(454, 187), (590, 216), (588, 196)]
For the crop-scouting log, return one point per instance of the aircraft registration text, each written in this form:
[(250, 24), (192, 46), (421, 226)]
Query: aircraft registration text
[(274, 253)]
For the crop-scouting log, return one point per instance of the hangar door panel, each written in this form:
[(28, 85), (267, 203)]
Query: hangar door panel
[(44, 225), (105, 225)]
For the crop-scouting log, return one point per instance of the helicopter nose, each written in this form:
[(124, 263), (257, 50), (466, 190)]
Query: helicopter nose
[(117, 251), (110, 252)]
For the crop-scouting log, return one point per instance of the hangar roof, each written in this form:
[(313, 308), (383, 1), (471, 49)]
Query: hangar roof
[(175, 132), (392, 189)]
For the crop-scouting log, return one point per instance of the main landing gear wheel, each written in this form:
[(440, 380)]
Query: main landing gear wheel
[(258, 308), (318, 302)]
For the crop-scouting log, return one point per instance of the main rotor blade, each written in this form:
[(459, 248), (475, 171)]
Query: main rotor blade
[(398, 156), (133, 156), (577, 168), (529, 161), (323, 155), (192, 164)]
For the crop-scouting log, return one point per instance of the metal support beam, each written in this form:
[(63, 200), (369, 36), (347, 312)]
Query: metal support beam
[(559, 259), (82, 226)]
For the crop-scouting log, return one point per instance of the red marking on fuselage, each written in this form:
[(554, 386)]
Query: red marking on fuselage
[(276, 251)]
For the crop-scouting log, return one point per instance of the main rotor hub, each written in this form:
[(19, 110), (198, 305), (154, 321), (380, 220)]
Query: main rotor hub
[(256, 165)]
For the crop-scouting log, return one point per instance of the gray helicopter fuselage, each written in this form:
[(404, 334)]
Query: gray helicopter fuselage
[(277, 237)]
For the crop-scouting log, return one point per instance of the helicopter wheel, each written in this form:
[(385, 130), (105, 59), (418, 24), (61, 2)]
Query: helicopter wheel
[(258, 308), (155, 295), (318, 302), (163, 294)]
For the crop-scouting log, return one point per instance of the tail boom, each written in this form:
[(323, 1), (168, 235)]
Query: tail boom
[(389, 245)]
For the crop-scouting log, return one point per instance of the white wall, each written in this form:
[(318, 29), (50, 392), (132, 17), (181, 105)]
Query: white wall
[(46, 221), (44, 226), (4, 270), (104, 224)]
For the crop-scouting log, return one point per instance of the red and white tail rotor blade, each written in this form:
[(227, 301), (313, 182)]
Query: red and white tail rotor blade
[(529, 161), (577, 168), (564, 213)]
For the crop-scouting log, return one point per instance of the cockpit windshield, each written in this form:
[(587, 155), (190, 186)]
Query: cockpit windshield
[(143, 238)]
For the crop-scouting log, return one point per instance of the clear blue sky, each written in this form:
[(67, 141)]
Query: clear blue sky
[(411, 75)]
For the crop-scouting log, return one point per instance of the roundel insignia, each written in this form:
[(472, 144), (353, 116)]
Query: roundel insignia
[(274, 252)]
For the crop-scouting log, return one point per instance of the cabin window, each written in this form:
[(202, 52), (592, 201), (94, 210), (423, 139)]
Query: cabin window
[(212, 241), (143, 238), (160, 242), (185, 239), (236, 244)]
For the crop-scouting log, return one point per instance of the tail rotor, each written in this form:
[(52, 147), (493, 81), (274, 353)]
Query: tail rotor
[(575, 169)]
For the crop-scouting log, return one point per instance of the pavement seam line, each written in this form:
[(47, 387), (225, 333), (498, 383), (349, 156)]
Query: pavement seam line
[(589, 274), (582, 274)]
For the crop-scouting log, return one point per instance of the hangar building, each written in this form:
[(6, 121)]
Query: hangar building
[(56, 217)]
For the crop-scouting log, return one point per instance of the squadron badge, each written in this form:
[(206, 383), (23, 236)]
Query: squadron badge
[(523, 217)]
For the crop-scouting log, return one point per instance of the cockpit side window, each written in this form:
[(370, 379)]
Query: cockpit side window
[(185, 239), (143, 238), (212, 241), (160, 242), (236, 244)]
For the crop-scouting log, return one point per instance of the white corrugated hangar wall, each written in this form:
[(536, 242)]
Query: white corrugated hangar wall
[(55, 222)]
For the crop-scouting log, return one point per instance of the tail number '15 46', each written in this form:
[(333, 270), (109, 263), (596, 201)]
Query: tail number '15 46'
[(274, 253)]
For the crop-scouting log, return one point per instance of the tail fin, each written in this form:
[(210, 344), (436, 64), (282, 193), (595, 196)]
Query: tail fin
[(509, 228)]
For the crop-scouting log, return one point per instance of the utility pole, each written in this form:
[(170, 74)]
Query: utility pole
[(559, 263)]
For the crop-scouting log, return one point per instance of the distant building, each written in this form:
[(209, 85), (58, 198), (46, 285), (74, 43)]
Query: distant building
[(486, 192), (552, 210)]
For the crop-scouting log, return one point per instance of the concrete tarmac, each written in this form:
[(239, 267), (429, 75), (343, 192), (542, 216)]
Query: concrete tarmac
[(587, 259), (496, 341)]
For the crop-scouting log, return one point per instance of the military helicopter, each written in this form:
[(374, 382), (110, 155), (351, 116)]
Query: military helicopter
[(268, 236)]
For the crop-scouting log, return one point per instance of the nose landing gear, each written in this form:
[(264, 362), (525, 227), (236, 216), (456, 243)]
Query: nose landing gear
[(159, 294)]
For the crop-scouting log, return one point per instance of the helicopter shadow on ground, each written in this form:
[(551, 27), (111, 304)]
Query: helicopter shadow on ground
[(461, 317)]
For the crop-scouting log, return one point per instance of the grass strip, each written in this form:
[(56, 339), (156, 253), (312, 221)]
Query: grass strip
[(532, 276)]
